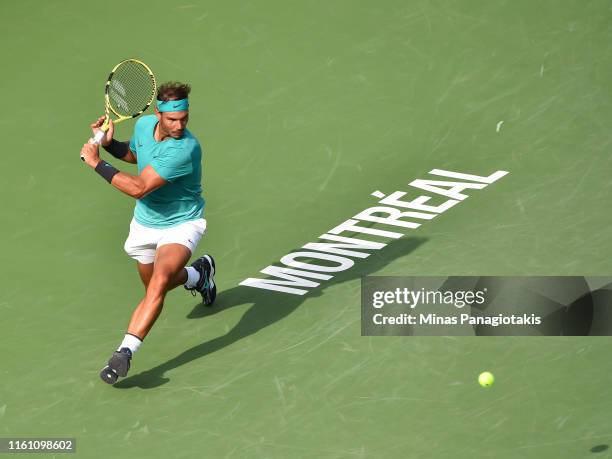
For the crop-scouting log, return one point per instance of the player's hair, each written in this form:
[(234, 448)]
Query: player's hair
[(173, 90)]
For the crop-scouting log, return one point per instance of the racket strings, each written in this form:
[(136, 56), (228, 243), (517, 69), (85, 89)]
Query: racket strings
[(131, 89)]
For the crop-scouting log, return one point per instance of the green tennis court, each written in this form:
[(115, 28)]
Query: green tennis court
[(304, 108)]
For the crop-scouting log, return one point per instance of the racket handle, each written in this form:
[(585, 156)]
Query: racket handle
[(97, 138)]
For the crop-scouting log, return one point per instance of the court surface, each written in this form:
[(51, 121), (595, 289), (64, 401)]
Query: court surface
[(304, 108)]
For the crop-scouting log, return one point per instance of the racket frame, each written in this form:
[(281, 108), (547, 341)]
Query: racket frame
[(97, 138)]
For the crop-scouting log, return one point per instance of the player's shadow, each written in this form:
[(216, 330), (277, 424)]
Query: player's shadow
[(268, 307)]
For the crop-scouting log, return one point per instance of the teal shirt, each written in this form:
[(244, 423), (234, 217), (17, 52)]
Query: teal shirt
[(179, 162)]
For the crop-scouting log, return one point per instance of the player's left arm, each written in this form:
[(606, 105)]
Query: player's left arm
[(136, 186)]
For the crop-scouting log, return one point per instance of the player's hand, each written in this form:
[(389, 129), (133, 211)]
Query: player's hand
[(95, 127), (91, 154)]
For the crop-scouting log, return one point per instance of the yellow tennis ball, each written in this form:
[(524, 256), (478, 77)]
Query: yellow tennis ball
[(486, 379)]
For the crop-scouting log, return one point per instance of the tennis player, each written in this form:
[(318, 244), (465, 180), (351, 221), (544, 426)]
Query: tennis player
[(168, 218)]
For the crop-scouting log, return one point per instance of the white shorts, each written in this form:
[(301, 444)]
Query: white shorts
[(142, 241)]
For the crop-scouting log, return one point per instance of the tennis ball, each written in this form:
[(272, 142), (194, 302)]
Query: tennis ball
[(486, 379)]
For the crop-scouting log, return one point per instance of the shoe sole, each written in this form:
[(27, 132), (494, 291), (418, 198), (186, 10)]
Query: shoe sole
[(211, 282), (108, 375)]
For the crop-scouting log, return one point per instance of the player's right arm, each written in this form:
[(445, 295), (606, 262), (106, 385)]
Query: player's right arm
[(129, 156)]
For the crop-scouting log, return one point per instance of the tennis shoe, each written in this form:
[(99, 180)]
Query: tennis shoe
[(118, 365), (205, 266)]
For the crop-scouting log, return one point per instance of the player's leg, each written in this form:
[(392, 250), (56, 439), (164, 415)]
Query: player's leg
[(168, 270), (199, 276), (143, 251), (169, 264), (161, 256), (145, 270)]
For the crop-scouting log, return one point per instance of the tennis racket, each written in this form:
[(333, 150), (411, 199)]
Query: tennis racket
[(129, 91)]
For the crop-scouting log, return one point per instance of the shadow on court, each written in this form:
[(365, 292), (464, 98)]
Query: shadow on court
[(268, 307)]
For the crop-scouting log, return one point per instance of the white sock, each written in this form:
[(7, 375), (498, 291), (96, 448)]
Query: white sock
[(193, 276), (131, 342)]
